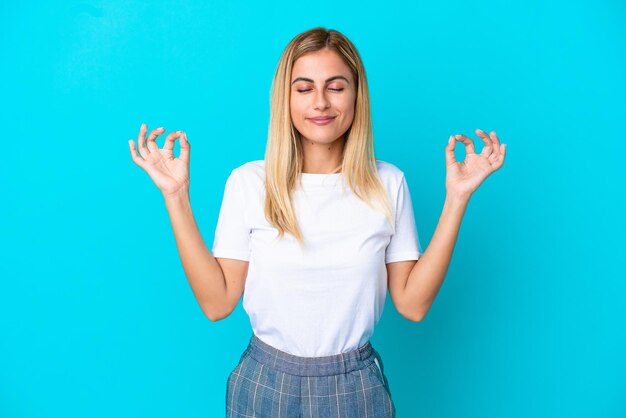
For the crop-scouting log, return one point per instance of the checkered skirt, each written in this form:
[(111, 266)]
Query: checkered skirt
[(270, 383)]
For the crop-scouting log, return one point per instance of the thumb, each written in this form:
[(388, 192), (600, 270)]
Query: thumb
[(450, 158)]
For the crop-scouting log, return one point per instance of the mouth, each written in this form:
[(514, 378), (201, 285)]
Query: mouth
[(322, 120)]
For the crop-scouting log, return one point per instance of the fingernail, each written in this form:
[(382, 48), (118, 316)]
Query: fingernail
[(160, 128)]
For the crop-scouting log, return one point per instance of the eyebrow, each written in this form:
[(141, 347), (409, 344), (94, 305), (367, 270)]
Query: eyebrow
[(335, 77)]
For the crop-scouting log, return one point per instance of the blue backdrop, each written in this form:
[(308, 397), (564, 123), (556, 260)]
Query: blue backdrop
[(96, 316)]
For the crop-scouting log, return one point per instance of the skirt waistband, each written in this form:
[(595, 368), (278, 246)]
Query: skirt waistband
[(311, 366)]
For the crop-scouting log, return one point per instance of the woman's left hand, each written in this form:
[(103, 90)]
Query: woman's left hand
[(463, 178)]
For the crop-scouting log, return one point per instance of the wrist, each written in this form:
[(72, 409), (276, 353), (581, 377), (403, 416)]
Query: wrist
[(181, 195), (457, 199)]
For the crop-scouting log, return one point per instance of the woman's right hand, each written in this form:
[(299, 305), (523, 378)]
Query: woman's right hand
[(170, 174)]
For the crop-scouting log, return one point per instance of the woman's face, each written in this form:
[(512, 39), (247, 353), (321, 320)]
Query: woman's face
[(322, 85)]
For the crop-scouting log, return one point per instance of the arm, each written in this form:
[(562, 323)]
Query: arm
[(416, 284), (204, 273), (216, 283), (426, 276)]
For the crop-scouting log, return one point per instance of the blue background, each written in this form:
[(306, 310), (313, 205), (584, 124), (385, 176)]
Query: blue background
[(96, 316)]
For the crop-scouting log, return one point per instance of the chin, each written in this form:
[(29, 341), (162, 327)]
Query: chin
[(324, 139)]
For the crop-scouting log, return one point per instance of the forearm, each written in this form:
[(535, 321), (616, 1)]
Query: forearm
[(203, 272), (429, 272)]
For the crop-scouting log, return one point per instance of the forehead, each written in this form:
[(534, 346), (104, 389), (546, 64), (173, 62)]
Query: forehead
[(320, 64)]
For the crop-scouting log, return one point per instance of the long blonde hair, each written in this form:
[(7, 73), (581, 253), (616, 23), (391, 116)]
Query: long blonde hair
[(284, 155)]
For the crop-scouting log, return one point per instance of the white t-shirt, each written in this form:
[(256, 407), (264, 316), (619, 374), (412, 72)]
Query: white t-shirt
[(324, 299)]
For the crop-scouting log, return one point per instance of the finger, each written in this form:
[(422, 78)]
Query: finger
[(169, 140), (450, 158), (497, 163), (133, 153), (151, 144), (488, 148), (496, 146), (500, 160), (141, 139), (469, 144), (185, 148)]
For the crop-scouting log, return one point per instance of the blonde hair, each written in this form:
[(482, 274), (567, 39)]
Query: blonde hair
[(284, 155)]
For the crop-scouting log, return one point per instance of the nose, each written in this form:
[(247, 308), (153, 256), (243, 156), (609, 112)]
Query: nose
[(321, 101)]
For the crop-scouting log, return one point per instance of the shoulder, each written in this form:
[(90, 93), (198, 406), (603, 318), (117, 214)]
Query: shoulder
[(251, 168), (250, 174), (390, 174)]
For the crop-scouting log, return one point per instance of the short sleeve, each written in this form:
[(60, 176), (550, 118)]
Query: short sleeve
[(232, 235), (404, 243)]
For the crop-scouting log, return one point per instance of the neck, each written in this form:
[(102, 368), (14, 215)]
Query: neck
[(322, 158)]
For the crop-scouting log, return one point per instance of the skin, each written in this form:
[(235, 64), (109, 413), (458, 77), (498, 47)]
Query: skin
[(413, 285), (218, 283), (323, 145)]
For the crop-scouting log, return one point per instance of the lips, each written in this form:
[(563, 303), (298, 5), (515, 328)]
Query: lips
[(322, 121), (322, 118)]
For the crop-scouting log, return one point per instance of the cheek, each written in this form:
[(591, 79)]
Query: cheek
[(295, 108), (348, 110), (346, 103), (296, 114)]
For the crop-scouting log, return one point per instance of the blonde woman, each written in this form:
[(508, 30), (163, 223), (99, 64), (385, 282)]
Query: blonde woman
[(315, 234)]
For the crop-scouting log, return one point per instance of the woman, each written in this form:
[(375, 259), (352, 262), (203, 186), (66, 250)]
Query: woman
[(315, 233)]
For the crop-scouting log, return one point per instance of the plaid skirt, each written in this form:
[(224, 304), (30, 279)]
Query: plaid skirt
[(270, 383)]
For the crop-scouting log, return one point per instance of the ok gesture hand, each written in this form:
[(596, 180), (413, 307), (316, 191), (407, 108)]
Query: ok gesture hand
[(463, 178), (170, 174)]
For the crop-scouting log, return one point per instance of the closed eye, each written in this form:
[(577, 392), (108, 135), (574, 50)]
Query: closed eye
[(303, 91)]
